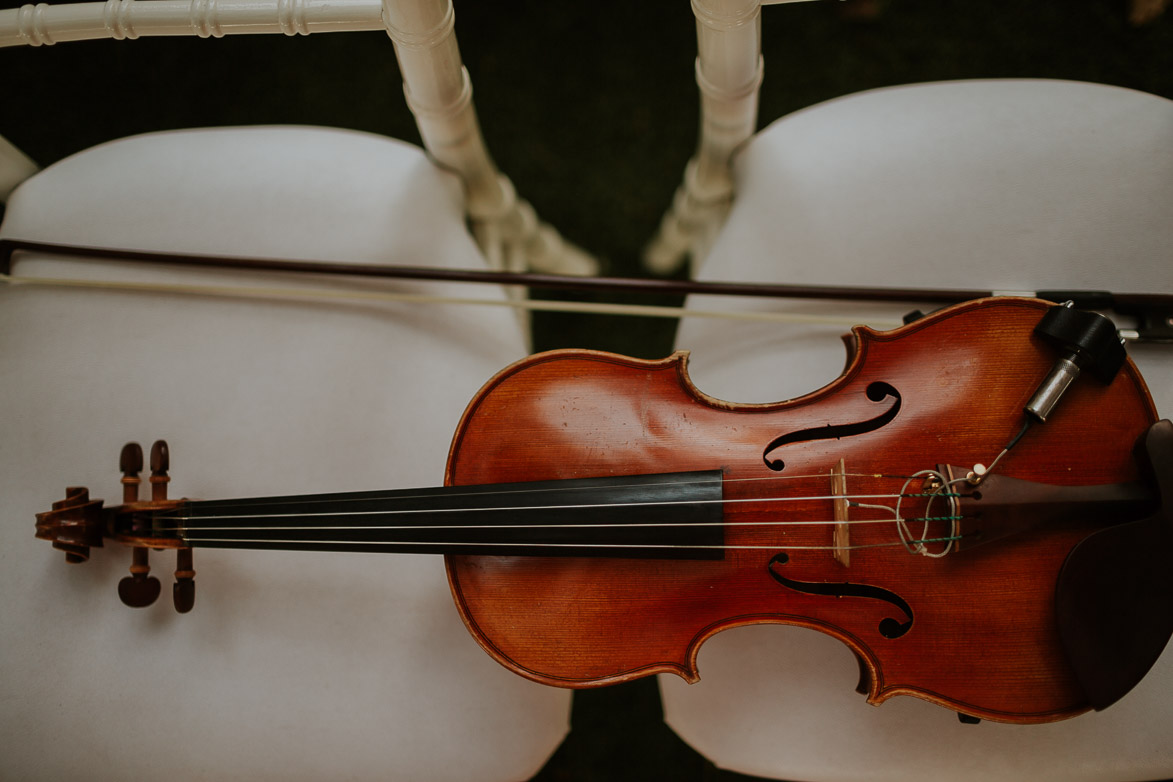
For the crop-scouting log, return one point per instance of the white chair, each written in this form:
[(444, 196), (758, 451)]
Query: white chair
[(294, 666), (998, 185)]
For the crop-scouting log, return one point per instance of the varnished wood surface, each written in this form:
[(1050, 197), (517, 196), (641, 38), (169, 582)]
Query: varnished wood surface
[(983, 638)]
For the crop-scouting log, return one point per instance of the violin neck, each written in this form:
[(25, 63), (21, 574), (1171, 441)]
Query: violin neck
[(662, 516)]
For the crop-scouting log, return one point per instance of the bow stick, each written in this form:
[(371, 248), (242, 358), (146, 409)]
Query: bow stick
[(1152, 311)]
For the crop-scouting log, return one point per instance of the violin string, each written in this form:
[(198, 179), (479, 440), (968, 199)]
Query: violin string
[(519, 508), (818, 475), (399, 494), (511, 545), (198, 534), (395, 494), (601, 525)]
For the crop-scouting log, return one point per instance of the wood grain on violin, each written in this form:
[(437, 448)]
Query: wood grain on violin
[(663, 516), (983, 637)]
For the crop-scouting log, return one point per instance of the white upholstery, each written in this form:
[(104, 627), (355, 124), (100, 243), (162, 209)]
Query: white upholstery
[(1003, 185), (292, 666)]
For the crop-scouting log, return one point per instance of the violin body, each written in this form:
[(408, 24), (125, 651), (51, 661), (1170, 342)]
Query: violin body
[(978, 627), (602, 517)]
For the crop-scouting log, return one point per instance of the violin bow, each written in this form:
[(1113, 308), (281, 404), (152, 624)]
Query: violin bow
[(1153, 311)]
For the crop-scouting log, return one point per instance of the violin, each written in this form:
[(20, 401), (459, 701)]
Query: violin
[(601, 517)]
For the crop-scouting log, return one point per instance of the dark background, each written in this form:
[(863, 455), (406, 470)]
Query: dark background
[(591, 109)]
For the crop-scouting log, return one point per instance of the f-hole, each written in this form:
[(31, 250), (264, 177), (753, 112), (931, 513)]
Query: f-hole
[(877, 392), (889, 627)]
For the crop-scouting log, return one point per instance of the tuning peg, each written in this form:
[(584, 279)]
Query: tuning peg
[(183, 592), (160, 463), (131, 464), (139, 589)]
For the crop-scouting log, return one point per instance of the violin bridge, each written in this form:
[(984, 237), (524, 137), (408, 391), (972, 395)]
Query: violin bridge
[(840, 536)]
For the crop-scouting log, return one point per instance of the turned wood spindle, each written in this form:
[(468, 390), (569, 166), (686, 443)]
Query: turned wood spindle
[(139, 589), (183, 591), (160, 462)]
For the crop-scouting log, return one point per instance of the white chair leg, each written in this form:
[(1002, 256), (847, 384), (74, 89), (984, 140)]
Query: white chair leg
[(439, 93), (729, 74)]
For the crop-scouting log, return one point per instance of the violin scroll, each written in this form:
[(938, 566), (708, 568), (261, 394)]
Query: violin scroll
[(76, 524)]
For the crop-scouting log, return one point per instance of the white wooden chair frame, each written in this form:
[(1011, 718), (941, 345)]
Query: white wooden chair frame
[(729, 71), (435, 83)]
